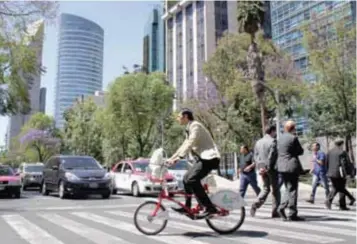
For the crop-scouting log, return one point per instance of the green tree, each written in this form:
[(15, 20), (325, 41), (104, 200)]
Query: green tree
[(18, 59), (139, 101), (235, 106), (39, 139), (250, 16), (332, 56), (83, 129)]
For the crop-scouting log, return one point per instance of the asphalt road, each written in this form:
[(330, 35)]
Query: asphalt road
[(37, 219)]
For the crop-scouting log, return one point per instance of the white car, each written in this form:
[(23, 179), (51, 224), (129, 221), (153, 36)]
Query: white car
[(133, 177), (178, 171)]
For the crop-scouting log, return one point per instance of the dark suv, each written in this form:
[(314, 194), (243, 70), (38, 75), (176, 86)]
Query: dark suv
[(75, 175)]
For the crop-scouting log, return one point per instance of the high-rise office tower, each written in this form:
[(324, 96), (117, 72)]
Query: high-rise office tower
[(80, 62), (34, 39), (43, 91), (154, 41), (286, 19), (193, 29)]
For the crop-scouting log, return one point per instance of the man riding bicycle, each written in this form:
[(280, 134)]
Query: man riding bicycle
[(200, 146)]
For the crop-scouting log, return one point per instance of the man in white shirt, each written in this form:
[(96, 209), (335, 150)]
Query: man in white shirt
[(200, 145)]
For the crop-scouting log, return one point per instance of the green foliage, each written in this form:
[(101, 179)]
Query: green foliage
[(250, 16), (236, 109), (136, 103), (38, 139), (332, 56), (18, 58), (83, 129)]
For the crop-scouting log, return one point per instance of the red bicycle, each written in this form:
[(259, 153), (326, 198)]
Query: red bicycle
[(226, 201)]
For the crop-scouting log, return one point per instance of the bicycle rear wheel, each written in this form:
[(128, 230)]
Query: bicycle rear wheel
[(234, 217), (147, 215)]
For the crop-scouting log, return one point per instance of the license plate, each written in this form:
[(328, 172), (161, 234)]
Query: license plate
[(93, 185)]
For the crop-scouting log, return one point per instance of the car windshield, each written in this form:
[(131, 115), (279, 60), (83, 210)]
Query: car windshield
[(6, 171), (33, 168), (180, 165), (80, 163), (140, 167)]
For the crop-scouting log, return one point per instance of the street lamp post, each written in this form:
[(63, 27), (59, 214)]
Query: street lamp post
[(277, 116)]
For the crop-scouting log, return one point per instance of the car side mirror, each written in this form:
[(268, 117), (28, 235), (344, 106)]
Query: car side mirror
[(55, 167), (17, 174), (128, 171)]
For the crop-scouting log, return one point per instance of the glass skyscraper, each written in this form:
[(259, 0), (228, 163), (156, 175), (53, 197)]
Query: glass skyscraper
[(287, 17), (80, 62), (154, 42)]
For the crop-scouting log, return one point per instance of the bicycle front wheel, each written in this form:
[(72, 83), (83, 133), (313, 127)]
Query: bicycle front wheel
[(227, 224), (144, 213)]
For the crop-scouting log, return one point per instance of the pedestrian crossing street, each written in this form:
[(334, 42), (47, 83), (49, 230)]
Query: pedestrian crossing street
[(114, 224)]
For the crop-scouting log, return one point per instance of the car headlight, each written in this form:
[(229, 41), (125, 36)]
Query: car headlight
[(71, 177), (107, 176)]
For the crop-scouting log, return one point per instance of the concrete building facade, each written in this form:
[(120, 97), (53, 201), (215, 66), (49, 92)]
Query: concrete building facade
[(192, 31), (80, 62)]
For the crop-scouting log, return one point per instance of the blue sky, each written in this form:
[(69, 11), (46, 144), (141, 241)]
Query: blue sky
[(123, 23)]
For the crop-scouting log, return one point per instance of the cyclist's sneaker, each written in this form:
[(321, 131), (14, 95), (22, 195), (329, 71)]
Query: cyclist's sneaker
[(208, 213), (179, 210)]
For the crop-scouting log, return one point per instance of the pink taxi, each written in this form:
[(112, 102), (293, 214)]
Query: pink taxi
[(132, 176), (10, 183)]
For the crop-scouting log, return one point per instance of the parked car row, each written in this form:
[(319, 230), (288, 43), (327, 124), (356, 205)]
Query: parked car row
[(82, 175), (10, 182)]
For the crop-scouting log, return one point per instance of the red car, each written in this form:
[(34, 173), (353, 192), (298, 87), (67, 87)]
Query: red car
[(10, 182)]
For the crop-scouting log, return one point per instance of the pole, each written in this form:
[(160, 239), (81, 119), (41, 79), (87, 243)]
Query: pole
[(277, 115), (162, 132)]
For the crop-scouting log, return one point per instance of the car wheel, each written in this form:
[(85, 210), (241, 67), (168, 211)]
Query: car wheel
[(114, 191), (61, 191), (24, 187), (44, 190), (106, 195), (18, 193), (135, 191)]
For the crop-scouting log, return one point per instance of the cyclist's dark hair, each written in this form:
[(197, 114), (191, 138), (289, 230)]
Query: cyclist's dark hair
[(188, 113), (270, 129)]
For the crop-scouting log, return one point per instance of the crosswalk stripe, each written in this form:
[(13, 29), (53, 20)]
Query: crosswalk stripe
[(29, 231), (84, 207), (186, 227), (274, 231), (89, 233), (164, 237), (266, 210), (340, 221)]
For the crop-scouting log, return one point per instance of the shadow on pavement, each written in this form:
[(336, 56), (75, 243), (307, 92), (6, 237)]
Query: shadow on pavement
[(324, 218), (242, 233)]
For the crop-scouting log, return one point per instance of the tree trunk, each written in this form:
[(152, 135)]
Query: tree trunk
[(327, 143), (256, 75)]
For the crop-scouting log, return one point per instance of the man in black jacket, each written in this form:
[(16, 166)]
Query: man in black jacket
[(288, 164), (338, 164)]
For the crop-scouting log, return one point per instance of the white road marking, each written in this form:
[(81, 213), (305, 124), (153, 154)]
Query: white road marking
[(29, 231), (88, 233)]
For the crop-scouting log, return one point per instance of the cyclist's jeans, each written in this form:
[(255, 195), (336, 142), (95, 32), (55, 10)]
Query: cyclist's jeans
[(192, 181)]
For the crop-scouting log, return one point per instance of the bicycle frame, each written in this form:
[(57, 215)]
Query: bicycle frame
[(192, 212)]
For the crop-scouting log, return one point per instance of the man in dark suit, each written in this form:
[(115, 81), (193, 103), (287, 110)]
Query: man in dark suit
[(265, 156), (338, 168), (288, 164)]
